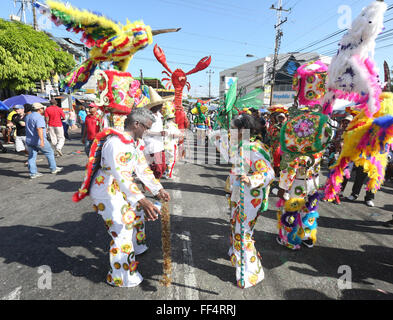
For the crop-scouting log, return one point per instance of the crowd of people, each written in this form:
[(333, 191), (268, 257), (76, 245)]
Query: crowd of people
[(147, 151)]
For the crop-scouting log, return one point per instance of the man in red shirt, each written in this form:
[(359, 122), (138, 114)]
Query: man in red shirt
[(54, 116), (92, 127)]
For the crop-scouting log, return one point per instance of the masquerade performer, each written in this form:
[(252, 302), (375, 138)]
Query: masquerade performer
[(119, 201), (154, 137), (353, 76), (250, 178), (117, 151), (109, 41), (279, 117), (201, 120), (178, 79), (171, 139), (303, 140)]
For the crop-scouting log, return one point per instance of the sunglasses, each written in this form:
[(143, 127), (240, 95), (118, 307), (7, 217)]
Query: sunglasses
[(146, 127)]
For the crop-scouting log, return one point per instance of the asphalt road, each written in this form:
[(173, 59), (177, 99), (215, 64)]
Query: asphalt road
[(42, 230)]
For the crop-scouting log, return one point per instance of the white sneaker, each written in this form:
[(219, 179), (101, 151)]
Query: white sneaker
[(37, 175), (57, 170), (370, 204), (59, 153), (351, 198)]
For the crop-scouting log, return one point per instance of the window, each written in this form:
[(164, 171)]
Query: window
[(234, 74), (259, 69)]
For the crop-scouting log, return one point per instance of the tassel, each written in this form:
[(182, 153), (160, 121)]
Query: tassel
[(166, 245)]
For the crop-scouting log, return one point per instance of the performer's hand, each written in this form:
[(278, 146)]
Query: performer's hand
[(164, 195), (246, 180), (150, 210)]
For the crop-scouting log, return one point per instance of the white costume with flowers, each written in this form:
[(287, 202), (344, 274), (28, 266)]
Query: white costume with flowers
[(116, 196), (257, 167), (170, 145)]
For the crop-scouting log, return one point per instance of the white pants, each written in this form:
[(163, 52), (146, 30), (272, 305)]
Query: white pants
[(20, 144), (126, 225), (57, 137)]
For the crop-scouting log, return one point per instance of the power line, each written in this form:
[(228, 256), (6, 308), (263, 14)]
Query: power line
[(210, 10)]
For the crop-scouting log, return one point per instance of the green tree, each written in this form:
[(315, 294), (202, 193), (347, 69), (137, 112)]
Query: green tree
[(28, 56)]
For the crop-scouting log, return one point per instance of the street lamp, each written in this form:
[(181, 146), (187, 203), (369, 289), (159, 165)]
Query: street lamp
[(248, 55)]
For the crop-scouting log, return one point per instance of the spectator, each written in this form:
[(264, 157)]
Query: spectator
[(53, 117), (3, 124), (72, 118), (19, 121), (92, 127), (10, 126), (360, 179), (36, 141), (82, 118), (66, 127)]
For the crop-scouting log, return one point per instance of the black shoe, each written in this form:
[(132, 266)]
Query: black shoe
[(308, 243)]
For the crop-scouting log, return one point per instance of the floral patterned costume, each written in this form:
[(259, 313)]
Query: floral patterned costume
[(260, 172), (297, 219), (275, 147), (170, 145), (115, 196), (257, 167)]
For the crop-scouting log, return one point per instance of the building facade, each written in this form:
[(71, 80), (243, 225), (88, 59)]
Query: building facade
[(258, 75)]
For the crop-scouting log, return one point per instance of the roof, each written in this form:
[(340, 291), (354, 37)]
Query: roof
[(155, 83)]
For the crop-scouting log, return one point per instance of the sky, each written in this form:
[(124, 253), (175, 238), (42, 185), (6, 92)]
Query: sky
[(226, 30)]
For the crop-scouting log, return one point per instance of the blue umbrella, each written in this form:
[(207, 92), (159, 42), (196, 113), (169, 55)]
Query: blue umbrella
[(23, 99), (3, 106)]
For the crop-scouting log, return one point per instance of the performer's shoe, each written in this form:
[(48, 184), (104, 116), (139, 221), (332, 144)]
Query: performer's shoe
[(351, 198), (282, 243), (308, 243), (370, 204)]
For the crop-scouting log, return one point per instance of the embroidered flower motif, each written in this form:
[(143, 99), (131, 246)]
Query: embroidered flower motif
[(148, 171), (261, 166), (109, 223), (253, 279), (126, 248), (129, 217), (133, 266), (114, 251), (304, 128), (233, 260), (134, 189), (123, 158), (127, 175), (101, 207), (141, 237), (100, 180), (118, 282), (114, 188)]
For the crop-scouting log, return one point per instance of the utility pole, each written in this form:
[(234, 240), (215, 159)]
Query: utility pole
[(142, 80), (210, 72), (35, 25), (279, 35)]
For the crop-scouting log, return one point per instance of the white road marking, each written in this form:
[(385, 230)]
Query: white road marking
[(189, 274), (176, 194), (14, 295)]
